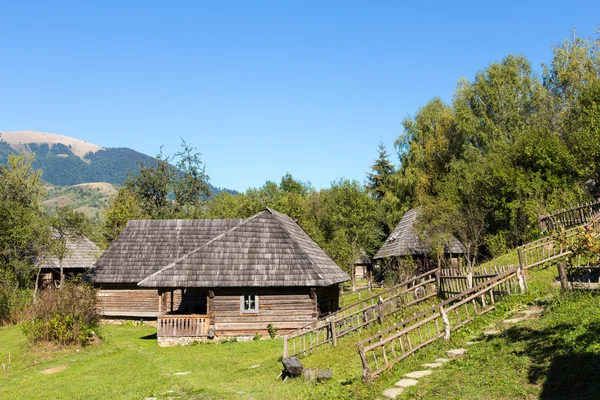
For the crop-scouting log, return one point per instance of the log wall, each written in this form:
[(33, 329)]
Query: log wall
[(286, 308), (127, 301)]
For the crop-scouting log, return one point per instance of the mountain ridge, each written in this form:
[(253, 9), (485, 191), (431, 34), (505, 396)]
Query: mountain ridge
[(66, 161)]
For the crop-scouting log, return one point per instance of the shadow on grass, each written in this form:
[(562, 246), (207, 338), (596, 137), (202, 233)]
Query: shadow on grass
[(562, 363), (149, 337)]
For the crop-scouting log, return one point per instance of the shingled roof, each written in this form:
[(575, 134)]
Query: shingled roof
[(404, 241), (268, 249), (146, 246), (81, 253)]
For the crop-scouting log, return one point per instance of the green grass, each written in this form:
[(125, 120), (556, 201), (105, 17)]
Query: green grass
[(538, 358)]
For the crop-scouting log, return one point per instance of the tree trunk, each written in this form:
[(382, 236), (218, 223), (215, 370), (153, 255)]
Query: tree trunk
[(62, 275), (37, 282)]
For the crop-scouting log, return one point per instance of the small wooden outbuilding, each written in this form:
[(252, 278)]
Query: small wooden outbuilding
[(81, 254), (243, 276), (404, 242)]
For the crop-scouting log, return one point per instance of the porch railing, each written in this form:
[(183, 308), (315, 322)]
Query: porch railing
[(182, 325)]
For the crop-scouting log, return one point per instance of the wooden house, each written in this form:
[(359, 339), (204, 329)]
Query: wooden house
[(235, 280), (143, 248), (80, 257), (363, 268), (404, 243)]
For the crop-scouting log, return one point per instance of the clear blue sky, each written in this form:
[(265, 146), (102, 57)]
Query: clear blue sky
[(261, 88)]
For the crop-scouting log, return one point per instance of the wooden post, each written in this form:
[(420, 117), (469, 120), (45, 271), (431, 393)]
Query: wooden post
[(521, 278), (520, 253), (470, 280), (381, 309), (562, 274), (438, 281), (446, 322), (285, 346), (366, 370), (159, 302), (332, 330)]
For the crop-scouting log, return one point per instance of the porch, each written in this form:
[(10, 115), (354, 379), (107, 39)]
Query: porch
[(194, 325)]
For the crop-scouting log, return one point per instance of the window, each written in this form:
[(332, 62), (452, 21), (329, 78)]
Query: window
[(249, 303)]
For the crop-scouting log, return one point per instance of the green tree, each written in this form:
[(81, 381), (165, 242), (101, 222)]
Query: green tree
[(379, 181)]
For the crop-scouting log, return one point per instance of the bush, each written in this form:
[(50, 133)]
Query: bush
[(15, 305), (64, 316), (272, 330)]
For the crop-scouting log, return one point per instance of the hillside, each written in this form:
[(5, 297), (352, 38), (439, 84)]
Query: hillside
[(87, 198), (67, 161)]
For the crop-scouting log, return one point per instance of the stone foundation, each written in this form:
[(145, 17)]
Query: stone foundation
[(168, 341)]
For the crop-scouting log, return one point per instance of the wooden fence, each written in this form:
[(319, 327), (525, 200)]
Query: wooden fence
[(182, 325), (361, 314), (571, 217), (386, 348), (457, 280), (546, 249)]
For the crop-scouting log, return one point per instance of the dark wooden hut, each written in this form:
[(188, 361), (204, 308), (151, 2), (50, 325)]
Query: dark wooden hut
[(404, 242), (81, 255), (242, 277)]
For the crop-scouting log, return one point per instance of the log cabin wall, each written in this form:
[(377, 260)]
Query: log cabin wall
[(127, 301), (286, 308), (328, 299)]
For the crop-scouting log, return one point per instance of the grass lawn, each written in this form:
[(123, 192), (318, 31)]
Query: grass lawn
[(537, 358)]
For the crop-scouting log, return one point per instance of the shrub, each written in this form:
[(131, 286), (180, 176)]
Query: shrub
[(15, 305), (272, 330), (64, 316)]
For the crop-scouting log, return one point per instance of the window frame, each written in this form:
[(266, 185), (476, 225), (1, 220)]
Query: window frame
[(243, 309)]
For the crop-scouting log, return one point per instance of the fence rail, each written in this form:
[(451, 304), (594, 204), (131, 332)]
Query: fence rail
[(577, 215), (545, 250), (457, 280), (386, 348), (361, 314)]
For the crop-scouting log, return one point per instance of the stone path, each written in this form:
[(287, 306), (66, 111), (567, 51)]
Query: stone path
[(411, 379)]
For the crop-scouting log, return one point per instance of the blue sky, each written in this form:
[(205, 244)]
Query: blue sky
[(261, 88)]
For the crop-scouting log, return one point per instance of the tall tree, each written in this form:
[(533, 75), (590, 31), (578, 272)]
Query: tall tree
[(379, 179)]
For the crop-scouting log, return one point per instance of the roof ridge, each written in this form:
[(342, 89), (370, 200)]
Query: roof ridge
[(172, 264), (313, 264)]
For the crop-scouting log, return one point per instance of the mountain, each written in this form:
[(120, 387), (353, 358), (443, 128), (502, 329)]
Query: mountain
[(67, 161)]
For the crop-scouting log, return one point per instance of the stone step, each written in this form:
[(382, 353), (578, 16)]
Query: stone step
[(472, 343), (441, 360), (392, 393), (514, 320), (432, 365), (404, 383), (456, 353), (492, 332), (418, 374)]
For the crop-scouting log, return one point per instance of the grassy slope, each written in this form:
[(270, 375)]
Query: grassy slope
[(527, 361)]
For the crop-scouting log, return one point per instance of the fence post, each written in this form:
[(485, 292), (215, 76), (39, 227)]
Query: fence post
[(285, 346), (366, 370), (470, 280), (381, 309), (521, 278), (562, 273), (520, 253), (446, 322), (332, 330), (438, 281)]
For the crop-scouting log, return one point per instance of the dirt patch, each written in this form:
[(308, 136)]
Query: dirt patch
[(53, 370)]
